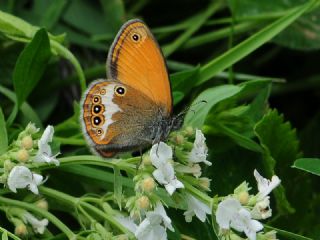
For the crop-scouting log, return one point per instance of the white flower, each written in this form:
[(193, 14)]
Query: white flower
[(230, 213), (199, 151), (127, 222), (226, 211), (265, 186), (160, 155), (242, 222), (262, 209), (44, 153), (196, 207), (38, 225), (154, 225), (22, 177)]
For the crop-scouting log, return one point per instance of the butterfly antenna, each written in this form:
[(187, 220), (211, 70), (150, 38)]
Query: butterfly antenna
[(182, 113)]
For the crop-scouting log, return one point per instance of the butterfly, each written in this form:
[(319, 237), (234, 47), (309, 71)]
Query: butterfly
[(132, 108)]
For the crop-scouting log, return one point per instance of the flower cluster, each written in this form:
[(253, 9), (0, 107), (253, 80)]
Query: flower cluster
[(241, 211), (27, 150), (22, 218), (22, 155), (163, 166)]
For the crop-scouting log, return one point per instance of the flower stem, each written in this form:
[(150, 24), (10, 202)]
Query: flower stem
[(88, 160), (9, 234), (64, 52), (204, 197), (46, 214), (76, 202)]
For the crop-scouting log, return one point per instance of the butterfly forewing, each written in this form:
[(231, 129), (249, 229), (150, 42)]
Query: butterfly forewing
[(132, 108), (135, 59)]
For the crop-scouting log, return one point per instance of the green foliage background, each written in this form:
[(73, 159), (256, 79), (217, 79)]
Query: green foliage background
[(256, 63)]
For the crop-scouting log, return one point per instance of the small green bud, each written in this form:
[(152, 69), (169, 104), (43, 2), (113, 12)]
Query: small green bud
[(146, 160), (243, 198), (21, 230), (27, 142), (148, 184), (22, 155), (42, 203), (143, 202)]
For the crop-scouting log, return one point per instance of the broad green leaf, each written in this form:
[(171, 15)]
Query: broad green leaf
[(4, 235), (240, 139), (31, 65), (14, 26), (3, 134), (197, 115), (311, 165), (252, 43), (302, 34), (280, 144)]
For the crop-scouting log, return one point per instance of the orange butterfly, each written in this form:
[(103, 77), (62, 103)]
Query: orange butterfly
[(132, 108)]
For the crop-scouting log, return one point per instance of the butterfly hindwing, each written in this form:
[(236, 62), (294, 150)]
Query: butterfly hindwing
[(116, 117)]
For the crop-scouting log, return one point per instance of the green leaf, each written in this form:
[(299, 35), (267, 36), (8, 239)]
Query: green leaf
[(311, 165), (4, 236), (197, 115), (117, 186), (194, 26), (53, 11), (3, 134), (31, 65), (286, 234), (86, 17), (280, 145), (26, 109), (252, 43), (14, 26), (302, 34), (177, 97), (184, 81), (240, 139), (114, 13)]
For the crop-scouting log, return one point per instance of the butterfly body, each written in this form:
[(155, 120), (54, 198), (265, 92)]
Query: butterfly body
[(132, 108)]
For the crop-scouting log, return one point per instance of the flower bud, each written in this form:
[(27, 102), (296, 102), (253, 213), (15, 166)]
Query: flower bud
[(179, 139), (21, 230), (271, 235), (8, 165), (148, 184), (22, 155), (43, 204), (122, 237), (143, 202), (205, 183), (27, 142), (189, 131), (146, 160), (243, 197)]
